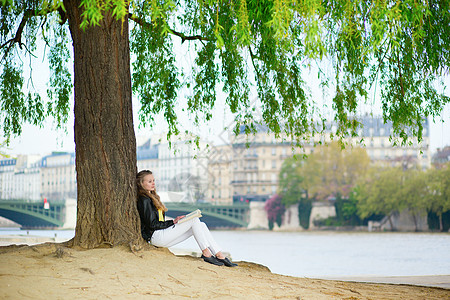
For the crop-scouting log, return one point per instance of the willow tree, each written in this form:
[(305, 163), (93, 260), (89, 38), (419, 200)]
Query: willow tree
[(400, 46)]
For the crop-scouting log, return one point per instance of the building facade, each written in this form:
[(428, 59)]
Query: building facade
[(58, 176), (247, 169), (183, 167), (147, 157), (243, 170), (20, 178), (381, 149), (255, 168), (178, 166), (441, 157), (219, 189)]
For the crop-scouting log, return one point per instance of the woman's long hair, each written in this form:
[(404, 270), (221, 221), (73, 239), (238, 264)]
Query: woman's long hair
[(150, 194)]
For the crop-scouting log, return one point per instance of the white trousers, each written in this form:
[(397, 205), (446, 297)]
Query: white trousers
[(179, 232)]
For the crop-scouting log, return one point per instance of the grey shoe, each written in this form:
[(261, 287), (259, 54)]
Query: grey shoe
[(212, 260), (227, 262)]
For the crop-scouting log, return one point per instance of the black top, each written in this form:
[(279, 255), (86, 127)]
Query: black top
[(150, 218)]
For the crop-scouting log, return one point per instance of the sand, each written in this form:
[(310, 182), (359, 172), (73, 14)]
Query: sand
[(52, 271)]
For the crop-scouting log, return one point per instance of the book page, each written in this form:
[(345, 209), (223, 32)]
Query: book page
[(195, 213)]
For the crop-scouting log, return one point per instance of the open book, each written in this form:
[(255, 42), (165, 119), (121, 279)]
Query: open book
[(194, 214)]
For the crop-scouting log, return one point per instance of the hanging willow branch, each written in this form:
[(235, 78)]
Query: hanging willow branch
[(181, 35)]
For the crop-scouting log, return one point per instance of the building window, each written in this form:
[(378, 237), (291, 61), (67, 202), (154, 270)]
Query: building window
[(274, 151), (274, 164), (274, 178)]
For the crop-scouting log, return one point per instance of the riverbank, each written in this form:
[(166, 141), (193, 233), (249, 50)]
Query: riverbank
[(51, 271)]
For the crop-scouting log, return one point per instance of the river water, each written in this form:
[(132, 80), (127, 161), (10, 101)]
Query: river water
[(323, 254)]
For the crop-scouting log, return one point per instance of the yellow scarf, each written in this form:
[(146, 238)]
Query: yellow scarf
[(161, 216)]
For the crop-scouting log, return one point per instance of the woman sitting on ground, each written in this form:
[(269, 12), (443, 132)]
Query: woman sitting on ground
[(161, 233)]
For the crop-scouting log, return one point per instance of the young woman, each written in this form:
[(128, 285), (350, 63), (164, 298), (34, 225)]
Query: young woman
[(161, 233)]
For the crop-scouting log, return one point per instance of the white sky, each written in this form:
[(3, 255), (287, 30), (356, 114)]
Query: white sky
[(44, 140)]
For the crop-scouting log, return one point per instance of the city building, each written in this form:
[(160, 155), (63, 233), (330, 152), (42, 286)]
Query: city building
[(256, 163), (441, 157), (381, 148), (178, 166), (147, 156), (247, 168), (219, 189), (58, 176), (20, 178)]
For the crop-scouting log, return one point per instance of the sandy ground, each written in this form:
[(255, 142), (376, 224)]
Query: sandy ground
[(51, 271)]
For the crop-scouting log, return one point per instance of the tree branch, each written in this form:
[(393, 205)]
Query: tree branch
[(179, 34), (17, 39), (253, 57)]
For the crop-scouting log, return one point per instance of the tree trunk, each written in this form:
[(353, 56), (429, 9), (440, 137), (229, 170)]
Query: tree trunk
[(104, 133), (390, 222), (416, 225)]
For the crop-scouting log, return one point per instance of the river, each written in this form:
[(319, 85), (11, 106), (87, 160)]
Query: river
[(323, 254)]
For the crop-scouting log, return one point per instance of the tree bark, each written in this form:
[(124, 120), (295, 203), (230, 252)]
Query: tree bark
[(104, 133)]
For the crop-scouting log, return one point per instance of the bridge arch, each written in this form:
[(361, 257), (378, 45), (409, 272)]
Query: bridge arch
[(32, 214)]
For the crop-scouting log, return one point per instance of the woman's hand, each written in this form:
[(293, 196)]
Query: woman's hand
[(177, 219)]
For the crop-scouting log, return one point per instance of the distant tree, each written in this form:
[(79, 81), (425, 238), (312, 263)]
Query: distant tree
[(328, 172), (413, 193), (402, 46), (438, 196), (333, 171), (391, 190), (347, 210), (293, 188), (379, 194), (290, 182)]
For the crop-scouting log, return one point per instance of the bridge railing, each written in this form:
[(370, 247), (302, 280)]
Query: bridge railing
[(237, 212), (30, 213)]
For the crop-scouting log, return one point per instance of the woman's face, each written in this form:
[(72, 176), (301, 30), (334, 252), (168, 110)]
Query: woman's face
[(148, 182)]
